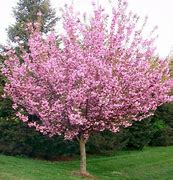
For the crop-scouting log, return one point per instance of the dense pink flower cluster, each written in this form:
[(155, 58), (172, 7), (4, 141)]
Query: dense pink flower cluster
[(104, 76)]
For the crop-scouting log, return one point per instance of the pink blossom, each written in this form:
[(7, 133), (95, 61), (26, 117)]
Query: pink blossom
[(39, 13), (103, 77)]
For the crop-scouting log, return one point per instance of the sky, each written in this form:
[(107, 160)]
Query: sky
[(160, 13)]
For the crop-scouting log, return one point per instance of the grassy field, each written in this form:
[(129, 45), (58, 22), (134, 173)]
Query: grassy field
[(150, 164)]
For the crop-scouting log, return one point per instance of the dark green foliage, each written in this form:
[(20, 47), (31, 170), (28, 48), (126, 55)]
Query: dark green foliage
[(164, 137), (17, 139), (106, 142), (5, 108), (141, 132), (26, 11), (135, 137)]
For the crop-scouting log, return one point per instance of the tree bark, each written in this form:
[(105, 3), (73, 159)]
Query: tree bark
[(83, 170)]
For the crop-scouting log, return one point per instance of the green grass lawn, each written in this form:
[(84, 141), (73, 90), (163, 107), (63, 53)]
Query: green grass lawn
[(150, 164)]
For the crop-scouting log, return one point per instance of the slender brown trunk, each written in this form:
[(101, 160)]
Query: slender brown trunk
[(82, 143)]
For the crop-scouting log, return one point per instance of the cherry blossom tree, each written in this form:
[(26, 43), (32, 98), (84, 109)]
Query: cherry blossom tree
[(103, 77)]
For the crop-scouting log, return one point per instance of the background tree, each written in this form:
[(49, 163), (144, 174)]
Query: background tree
[(164, 114), (28, 11), (100, 80), (164, 137)]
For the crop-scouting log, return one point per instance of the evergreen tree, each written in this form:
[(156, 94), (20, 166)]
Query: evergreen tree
[(30, 11)]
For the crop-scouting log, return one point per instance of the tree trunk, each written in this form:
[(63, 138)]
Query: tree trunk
[(82, 143)]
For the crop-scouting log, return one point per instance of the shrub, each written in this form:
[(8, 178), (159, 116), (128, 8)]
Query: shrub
[(17, 139)]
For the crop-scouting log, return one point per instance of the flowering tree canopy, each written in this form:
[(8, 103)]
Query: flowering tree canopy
[(104, 76)]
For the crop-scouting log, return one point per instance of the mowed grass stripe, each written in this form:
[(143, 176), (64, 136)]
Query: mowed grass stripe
[(150, 164)]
